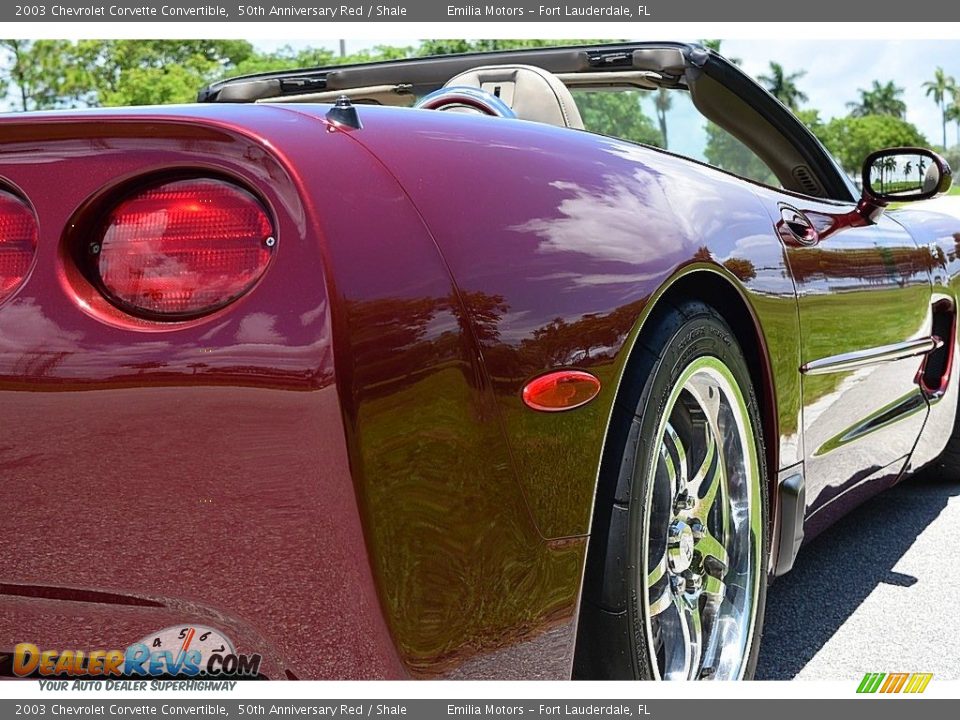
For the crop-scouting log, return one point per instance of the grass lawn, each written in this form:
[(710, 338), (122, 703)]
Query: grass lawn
[(843, 322)]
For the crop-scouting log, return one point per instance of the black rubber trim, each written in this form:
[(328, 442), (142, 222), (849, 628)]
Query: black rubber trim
[(425, 72), (792, 507), (784, 122)]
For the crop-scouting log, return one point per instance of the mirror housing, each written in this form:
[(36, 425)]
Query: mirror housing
[(904, 174)]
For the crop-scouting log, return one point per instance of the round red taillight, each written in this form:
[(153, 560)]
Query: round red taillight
[(183, 248), (18, 242)]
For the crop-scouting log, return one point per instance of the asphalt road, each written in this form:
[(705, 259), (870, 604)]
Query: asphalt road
[(877, 592)]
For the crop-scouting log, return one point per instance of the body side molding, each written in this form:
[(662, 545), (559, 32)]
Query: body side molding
[(871, 356)]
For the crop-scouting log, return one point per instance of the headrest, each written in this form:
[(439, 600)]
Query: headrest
[(532, 93)]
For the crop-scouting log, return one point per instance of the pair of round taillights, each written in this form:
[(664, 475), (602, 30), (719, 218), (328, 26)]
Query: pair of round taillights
[(169, 251)]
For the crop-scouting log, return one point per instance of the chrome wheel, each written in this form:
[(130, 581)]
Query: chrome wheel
[(702, 548)]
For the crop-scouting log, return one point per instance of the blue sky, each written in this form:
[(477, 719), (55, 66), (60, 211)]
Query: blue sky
[(834, 72)]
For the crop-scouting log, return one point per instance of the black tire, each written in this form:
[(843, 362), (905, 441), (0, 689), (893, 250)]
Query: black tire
[(613, 639)]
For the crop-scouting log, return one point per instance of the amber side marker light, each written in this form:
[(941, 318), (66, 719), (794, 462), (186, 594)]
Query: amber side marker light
[(560, 390), (18, 242), (182, 249)]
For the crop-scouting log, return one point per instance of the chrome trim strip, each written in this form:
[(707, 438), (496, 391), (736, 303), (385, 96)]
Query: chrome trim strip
[(911, 403), (871, 356)]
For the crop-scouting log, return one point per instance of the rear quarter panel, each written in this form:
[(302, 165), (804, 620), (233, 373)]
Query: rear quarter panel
[(559, 241), (195, 472), (338, 469)]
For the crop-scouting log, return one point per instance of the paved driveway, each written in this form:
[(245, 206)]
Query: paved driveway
[(877, 592)]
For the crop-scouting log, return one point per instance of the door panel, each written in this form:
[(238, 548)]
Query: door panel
[(864, 298)]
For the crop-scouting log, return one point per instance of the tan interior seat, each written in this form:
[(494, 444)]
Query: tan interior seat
[(532, 93)]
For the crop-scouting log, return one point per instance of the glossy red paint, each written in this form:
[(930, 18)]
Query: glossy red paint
[(939, 236), (935, 371), (338, 469), (597, 237), (196, 470), (560, 390), (878, 278), (595, 240)]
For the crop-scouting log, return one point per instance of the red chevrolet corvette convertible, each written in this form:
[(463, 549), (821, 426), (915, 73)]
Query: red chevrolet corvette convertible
[(437, 368)]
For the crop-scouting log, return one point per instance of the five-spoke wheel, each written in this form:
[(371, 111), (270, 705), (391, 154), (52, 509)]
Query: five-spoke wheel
[(702, 547), (676, 569)]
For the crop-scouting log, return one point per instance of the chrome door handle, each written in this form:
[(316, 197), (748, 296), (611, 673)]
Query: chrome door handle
[(795, 227)]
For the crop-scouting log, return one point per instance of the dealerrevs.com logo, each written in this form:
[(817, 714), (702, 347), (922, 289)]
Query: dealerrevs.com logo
[(189, 651), (894, 683)]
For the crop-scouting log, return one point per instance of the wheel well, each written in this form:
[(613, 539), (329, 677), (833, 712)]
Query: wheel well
[(720, 293), (598, 615)]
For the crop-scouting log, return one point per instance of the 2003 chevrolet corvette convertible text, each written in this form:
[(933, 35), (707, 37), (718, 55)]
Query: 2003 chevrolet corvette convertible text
[(397, 369)]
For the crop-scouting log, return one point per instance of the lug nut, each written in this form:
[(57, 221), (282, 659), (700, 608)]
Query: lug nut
[(683, 502), (714, 567), (692, 581), (678, 584), (680, 546), (698, 529)]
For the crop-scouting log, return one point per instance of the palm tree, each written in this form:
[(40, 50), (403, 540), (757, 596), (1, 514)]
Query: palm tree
[(953, 112), (941, 87), (879, 100), (887, 168), (953, 115), (783, 86), (662, 103)]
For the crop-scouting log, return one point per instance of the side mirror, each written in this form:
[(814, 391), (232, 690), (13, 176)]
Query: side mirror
[(901, 175)]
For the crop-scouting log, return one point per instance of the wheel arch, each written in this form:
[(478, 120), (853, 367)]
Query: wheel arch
[(716, 286)]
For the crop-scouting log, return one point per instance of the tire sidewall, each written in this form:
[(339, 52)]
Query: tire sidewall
[(702, 333)]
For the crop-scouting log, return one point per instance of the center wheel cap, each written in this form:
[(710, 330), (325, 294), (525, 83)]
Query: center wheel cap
[(679, 546)]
